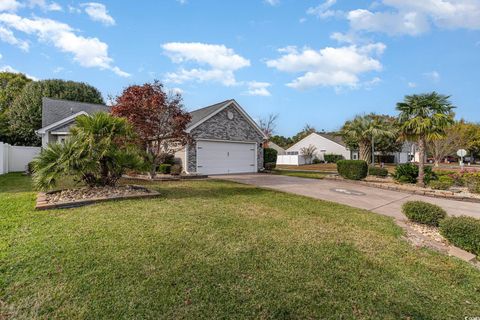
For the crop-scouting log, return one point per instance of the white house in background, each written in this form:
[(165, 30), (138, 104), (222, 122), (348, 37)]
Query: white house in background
[(280, 150)]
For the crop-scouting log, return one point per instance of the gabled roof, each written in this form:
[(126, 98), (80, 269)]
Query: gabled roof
[(60, 122), (201, 115), (54, 110), (334, 138)]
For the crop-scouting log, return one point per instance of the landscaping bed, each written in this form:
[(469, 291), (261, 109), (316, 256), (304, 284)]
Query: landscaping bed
[(88, 195)]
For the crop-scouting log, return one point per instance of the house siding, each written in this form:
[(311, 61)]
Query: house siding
[(219, 127), (320, 143)]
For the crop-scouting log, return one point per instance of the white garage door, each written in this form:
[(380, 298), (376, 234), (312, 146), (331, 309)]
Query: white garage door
[(225, 157)]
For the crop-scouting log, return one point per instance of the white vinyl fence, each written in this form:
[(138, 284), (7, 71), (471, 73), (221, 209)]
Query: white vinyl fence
[(294, 160), (15, 158)]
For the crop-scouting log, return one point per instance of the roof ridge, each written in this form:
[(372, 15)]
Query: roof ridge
[(215, 104), (74, 101)]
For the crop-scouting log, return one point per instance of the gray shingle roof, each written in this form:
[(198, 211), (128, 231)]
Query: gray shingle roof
[(333, 137), (54, 110), (199, 114)]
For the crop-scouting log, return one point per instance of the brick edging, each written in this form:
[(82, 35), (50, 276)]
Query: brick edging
[(42, 203), (427, 193)]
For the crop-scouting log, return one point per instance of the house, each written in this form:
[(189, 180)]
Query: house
[(59, 115), (325, 143), (280, 150), (225, 138)]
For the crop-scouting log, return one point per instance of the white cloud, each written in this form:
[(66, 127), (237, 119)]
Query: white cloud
[(412, 85), (7, 36), (256, 88), (272, 2), (324, 10), (9, 5), (42, 4), (6, 68), (88, 52), (221, 61), (98, 12), (182, 2), (432, 75), (413, 17), (329, 66)]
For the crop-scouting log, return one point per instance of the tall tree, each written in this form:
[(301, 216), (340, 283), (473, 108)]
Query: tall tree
[(424, 117), (268, 126), (284, 142), (159, 119), (25, 115), (307, 129), (364, 130), (455, 138), (11, 84)]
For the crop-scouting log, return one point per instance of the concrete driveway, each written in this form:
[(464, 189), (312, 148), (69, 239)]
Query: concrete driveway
[(381, 201)]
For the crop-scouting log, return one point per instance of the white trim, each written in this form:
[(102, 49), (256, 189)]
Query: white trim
[(239, 108), (60, 122), (60, 133), (219, 140), (186, 159), (256, 157)]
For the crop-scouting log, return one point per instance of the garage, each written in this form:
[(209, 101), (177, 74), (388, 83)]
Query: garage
[(217, 157)]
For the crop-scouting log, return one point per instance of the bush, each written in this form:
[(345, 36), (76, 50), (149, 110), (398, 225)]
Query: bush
[(472, 182), (408, 173), (423, 212), (165, 168), (352, 169), (30, 167), (385, 158), (443, 183), (332, 158), (269, 155), (269, 166), (176, 170), (377, 171), (167, 158), (317, 161), (464, 232)]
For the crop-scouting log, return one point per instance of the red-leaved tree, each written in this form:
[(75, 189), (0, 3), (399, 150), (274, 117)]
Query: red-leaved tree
[(158, 118)]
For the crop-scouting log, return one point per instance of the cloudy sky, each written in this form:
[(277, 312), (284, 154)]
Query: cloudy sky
[(310, 61)]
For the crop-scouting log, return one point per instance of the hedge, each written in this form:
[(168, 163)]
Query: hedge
[(423, 212), (176, 170), (269, 166), (269, 155), (377, 171), (332, 158), (443, 183), (164, 168), (408, 173), (464, 232), (472, 181), (352, 169)]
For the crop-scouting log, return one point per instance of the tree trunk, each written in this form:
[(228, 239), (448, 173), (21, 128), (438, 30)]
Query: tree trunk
[(421, 162), (365, 152)]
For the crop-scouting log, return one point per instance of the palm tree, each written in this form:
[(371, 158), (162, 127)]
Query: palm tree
[(363, 130), (422, 118), (97, 153)]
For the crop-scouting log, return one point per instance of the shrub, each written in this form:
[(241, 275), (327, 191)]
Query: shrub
[(472, 182), (408, 173), (30, 167), (269, 155), (165, 168), (443, 183), (269, 166), (464, 232), (317, 161), (332, 158), (176, 170), (377, 171), (352, 169), (423, 212), (166, 158)]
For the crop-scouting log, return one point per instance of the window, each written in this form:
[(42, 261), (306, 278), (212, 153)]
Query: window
[(292, 153), (355, 156)]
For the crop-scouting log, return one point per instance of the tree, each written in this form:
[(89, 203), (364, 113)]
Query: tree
[(424, 117), (11, 84), (308, 153), (284, 142), (454, 139), (471, 134), (159, 120), (268, 126), (364, 130), (25, 115), (97, 153)]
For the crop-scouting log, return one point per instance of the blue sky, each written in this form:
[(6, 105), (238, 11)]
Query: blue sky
[(310, 61)]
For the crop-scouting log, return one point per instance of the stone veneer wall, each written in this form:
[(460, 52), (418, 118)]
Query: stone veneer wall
[(219, 127)]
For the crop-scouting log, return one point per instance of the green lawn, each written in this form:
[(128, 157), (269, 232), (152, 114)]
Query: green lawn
[(300, 174), (212, 249)]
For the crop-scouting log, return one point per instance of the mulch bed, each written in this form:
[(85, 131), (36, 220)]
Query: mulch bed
[(69, 198)]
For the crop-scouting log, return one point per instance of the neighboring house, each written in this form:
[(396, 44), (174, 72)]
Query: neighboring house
[(280, 150), (59, 115), (225, 140), (325, 144)]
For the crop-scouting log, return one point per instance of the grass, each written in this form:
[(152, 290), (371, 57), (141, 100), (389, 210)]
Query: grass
[(320, 167), (300, 174), (213, 249)]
